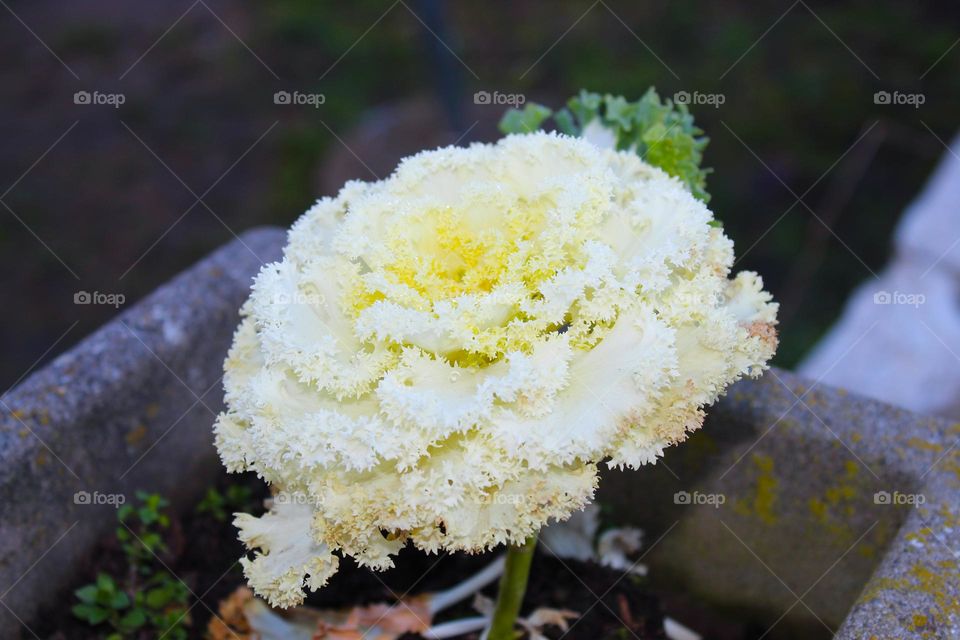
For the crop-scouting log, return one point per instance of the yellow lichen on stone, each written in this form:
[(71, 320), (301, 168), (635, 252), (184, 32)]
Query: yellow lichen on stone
[(762, 502), (951, 463), (136, 435), (937, 584), (835, 508), (925, 445)]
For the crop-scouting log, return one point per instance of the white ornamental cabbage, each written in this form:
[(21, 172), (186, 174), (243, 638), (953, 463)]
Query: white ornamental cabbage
[(445, 356)]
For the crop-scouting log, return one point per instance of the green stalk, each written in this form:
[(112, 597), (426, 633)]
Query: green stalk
[(513, 584)]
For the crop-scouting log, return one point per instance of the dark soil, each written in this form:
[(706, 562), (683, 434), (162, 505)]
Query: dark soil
[(204, 552)]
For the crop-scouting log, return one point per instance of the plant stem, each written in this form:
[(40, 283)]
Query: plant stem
[(513, 584)]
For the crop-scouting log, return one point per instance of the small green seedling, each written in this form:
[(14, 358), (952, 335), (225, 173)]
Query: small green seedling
[(221, 505), (148, 599)]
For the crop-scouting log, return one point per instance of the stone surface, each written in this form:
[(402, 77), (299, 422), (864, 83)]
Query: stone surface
[(807, 518), (130, 407), (898, 339)]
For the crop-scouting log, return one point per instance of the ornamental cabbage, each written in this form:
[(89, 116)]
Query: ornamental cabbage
[(445, 356)]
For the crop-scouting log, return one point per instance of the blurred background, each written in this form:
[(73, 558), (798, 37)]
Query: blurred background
[(140, 136)]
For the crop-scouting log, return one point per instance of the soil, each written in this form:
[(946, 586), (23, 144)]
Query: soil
[(204, 552)]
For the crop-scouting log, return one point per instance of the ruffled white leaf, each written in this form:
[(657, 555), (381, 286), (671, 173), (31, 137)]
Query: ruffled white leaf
[(609, 388), (289, 559)]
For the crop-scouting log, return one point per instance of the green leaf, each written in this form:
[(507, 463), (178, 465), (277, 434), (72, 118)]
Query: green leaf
[(620, 113), (87, 594), (158, 598), (90, 613), (176, 590), (172, 622), (105, 583), (120, 600), (133, 620), (178, 633), (212, 502), (239, 492), (585, 106), (659, 131), (566, 123), (152, 541), (526, 121), (674, 151), (650, 110)]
